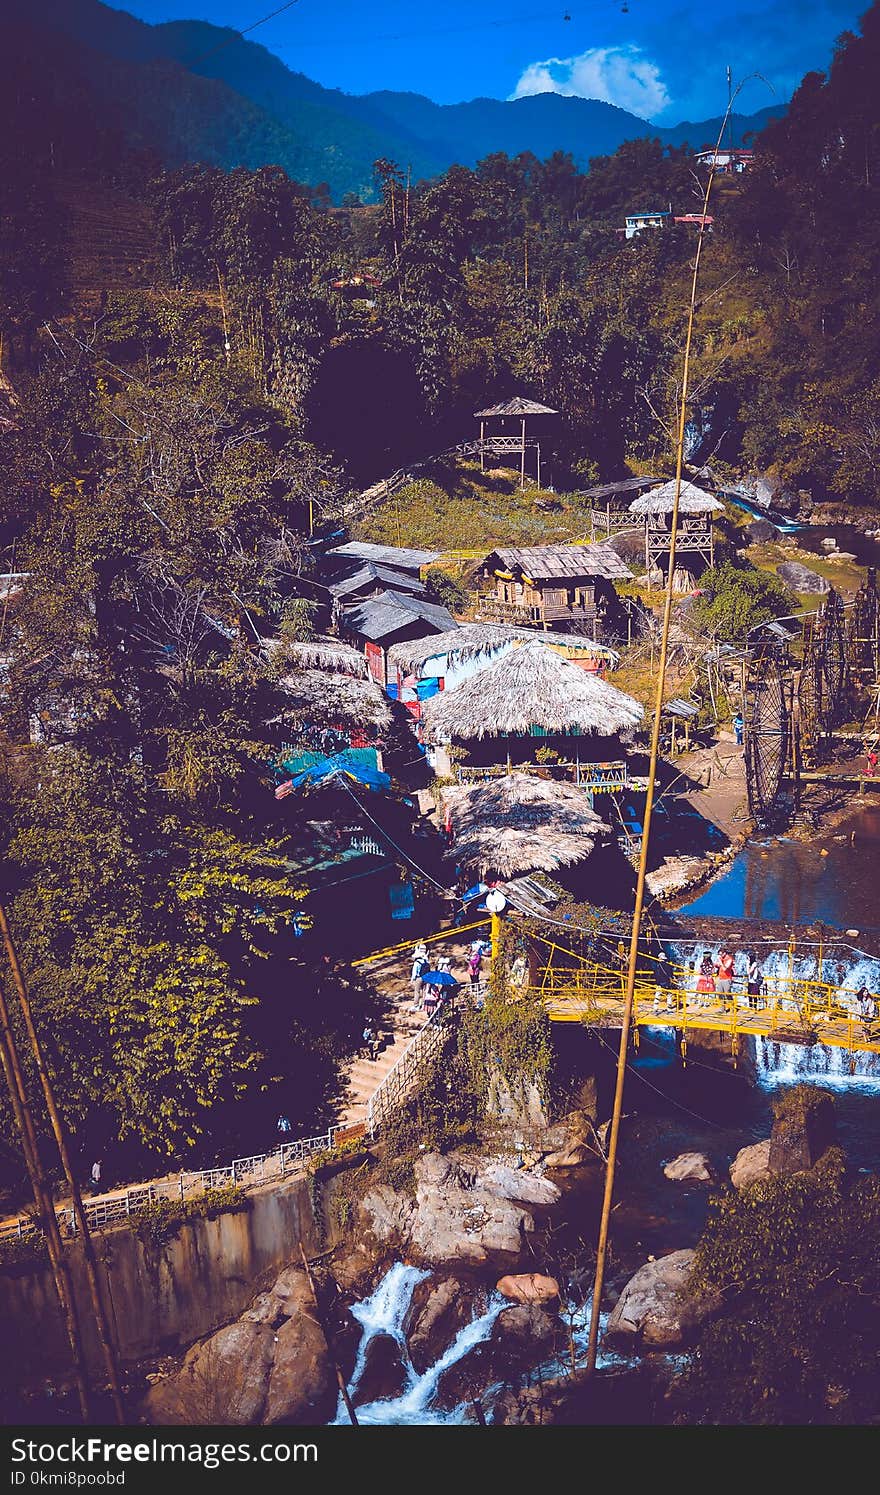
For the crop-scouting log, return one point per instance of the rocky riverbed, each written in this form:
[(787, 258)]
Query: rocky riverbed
[(465, 1296)]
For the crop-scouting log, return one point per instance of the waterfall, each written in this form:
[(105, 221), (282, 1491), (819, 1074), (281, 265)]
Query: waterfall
[(792, 1063), (384, 1313)]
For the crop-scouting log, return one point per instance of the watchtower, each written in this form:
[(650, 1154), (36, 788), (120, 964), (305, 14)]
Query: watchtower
[(506, 438)]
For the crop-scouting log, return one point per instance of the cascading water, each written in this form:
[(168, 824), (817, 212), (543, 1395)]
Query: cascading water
[(790, 1063), (384, 1313)]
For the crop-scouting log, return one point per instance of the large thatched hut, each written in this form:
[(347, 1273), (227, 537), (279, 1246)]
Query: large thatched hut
[(519, 824), (527, 693)]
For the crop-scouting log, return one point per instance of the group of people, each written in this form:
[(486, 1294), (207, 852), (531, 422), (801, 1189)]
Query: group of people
[(716, 977)]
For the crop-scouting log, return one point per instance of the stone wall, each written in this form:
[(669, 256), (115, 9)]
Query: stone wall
[(164, 1297)]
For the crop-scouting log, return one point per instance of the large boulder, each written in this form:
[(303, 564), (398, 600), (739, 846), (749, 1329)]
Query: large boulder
[(750, 1164), (804, 1127), (800, 578), (690, 1167), (657, 1309), (760, 531), (465, 1209), (571, 1142), (435, 1319), (271, 1366), (531, 1288)]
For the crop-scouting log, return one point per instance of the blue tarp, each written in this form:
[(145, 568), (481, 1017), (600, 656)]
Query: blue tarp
[(402, 900), (324, 768)]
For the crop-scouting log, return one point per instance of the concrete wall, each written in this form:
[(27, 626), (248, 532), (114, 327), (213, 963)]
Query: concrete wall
[(161, 1298)]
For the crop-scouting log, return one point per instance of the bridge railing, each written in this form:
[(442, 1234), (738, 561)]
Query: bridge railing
[(787, 1006), (248, 1173)]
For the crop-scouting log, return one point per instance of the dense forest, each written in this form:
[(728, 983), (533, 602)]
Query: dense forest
[(175, 396)]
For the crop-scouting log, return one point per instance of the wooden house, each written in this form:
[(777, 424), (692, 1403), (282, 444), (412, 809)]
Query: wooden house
[(391, 618), (693, 539), (567, 587)]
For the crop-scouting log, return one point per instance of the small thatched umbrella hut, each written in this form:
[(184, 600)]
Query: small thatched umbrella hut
[(530, 692), (520, 824), (694, 536)]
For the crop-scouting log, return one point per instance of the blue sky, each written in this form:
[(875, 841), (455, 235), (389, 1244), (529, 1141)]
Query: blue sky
[(664, 60)]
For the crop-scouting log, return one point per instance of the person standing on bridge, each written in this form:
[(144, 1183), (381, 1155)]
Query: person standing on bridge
[(706, 980), (420, 964), (753, 980), (724, 973), (871, 769)]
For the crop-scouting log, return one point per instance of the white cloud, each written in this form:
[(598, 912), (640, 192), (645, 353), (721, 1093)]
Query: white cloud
[(618, 75)]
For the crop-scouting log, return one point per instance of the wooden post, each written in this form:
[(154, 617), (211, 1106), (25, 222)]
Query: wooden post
[(539, 464), (522, 481), (482, 446), (43, 1201)]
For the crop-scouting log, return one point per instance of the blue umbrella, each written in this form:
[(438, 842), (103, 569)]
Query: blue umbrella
[(440, 978)]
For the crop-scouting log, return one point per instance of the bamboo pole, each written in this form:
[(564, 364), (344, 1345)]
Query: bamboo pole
[(102, 1323), (629, 993), (340, 1378), (44, 1204)]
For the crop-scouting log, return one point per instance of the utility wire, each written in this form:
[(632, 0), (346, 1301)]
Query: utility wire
[(237, 35)]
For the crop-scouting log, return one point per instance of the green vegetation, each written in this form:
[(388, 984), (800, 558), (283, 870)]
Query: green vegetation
[(737, 597), (458, 508), (159, 1222), (795, 1261)]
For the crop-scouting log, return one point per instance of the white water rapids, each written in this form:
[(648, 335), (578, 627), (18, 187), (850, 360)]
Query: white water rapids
[(384, 1312)]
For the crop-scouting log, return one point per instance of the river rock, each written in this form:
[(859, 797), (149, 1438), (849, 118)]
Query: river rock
[(801, 578), (750, 1164), (465, 1208), (656, 1308), (271, 1366), (384, 1374), (519, 1332), (434, 1321), (690, 1167), (760, 531), (529, 1287)]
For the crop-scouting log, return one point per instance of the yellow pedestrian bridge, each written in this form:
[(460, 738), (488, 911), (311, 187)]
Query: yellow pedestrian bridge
[(789, 1009)]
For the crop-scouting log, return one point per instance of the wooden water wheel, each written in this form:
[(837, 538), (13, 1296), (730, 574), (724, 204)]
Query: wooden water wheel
[(863, 633), (767, 737)]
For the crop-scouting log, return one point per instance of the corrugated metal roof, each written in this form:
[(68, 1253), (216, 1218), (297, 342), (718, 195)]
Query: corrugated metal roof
[(547, 562), (679, 707), (624, 485), (377, 618), (385, 555), (517, 406)]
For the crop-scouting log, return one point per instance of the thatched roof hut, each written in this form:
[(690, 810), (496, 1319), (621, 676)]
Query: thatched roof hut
[(526, 688), (335, 699), (692, 500), (518, 824), (471, 640), (331, 654)]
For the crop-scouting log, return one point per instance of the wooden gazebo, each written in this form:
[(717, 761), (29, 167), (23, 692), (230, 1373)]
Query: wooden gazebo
[(694, 536), (507, 439)]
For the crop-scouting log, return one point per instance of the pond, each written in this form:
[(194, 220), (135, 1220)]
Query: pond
[(834, 877)]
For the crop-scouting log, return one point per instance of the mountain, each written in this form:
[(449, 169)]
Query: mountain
[(191, 91)]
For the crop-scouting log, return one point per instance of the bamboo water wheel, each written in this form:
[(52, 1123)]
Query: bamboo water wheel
[(767, 741), (863, 634)]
